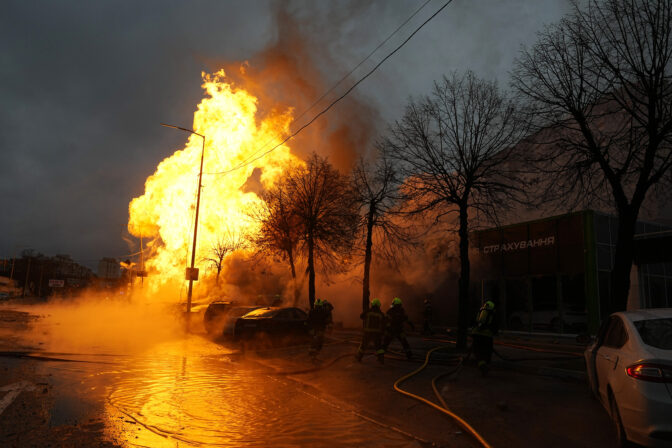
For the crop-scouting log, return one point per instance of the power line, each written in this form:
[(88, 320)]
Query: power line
[(337, 100), (346, 76)]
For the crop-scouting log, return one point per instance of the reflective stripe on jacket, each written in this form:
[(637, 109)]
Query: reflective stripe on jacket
[(374, 321)]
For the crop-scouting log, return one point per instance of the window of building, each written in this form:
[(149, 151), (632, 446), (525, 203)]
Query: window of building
[(604, 286), (574, 312), (656, 285), (517, 312), (604, 257)]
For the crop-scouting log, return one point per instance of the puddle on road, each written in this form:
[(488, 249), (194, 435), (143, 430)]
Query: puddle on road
[(190, 393)]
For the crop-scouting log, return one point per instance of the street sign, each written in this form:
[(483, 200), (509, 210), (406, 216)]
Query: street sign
[(54, 283), (192, 274), (141, 273)]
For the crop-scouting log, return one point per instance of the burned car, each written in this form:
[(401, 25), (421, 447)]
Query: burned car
[(272, 326), (220, 317)]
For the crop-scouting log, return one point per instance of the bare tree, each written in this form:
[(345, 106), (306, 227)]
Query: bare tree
[(230, 240), (279, 231), (326, 213), (452, 147), (599, 83), (376, 188)]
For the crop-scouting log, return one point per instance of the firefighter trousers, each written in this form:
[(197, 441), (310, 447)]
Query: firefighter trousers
[(390, 336), (482, 348), (371, 338), (317, 340)]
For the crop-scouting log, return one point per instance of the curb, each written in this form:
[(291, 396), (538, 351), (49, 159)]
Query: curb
[(564, 374)]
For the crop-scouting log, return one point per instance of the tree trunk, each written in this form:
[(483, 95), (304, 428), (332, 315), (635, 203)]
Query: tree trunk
[(623, 258), (290, 256), (366, 292), (463, 298), (311, 271)]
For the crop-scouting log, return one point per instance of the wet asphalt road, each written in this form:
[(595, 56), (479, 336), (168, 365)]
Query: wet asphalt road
[(190, 391), (194, 392)]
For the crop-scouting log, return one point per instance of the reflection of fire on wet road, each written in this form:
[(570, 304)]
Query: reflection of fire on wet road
[(191, 393), (152, 387), (126, 368)]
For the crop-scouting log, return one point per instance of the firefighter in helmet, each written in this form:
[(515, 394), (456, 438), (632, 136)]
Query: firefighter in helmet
[(374, 326), (396, 318), (319, 318), (482, 334)]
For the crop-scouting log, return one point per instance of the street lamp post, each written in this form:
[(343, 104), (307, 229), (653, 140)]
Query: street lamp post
[(191, 273)]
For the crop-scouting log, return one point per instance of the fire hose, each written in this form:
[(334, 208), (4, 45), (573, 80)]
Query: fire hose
[(458, 360), (443, 409)]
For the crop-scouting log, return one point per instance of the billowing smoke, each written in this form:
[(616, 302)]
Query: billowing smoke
[(293, 72), (103, 323), (296, 70)]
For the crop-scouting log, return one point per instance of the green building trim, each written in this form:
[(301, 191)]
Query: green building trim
[(592, 292)]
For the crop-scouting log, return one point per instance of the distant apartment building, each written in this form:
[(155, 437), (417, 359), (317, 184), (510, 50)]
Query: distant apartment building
[(109, 268)]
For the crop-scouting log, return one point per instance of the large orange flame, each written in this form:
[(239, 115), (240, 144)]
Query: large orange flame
[(227, 117)]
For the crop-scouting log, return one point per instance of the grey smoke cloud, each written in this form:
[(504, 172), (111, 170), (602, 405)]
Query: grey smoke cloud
[(83, 86)]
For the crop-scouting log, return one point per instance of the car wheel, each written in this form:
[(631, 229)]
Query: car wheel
[(621, 438)]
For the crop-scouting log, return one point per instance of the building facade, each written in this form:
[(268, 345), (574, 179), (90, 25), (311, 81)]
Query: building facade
[(552, 275)]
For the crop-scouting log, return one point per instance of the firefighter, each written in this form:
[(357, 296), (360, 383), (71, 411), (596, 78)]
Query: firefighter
[(319, 318), (396, 318), (482, 334), (374, 325), (427, 313)]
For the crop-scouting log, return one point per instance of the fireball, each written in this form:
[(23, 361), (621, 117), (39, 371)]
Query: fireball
[(234, 133)]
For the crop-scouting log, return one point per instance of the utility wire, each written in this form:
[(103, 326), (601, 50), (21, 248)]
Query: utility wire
[(347, 75), (337, 100)]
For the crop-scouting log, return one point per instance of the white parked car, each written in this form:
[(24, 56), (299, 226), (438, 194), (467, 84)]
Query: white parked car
[(630, 370)]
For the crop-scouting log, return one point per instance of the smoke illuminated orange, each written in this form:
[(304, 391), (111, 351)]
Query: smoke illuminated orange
[(228, 117)]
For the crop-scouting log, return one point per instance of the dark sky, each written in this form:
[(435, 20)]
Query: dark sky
[(84, 86)]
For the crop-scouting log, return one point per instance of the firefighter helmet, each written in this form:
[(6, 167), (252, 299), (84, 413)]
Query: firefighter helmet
[(375, 303)]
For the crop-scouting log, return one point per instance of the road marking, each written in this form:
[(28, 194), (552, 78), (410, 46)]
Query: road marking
[(13, 391)]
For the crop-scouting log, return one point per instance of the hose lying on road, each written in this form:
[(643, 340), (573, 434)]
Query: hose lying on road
[(458, 360), (444, 409)]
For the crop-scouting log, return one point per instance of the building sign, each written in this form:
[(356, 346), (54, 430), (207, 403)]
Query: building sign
[(54, 283), (519, 245)]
